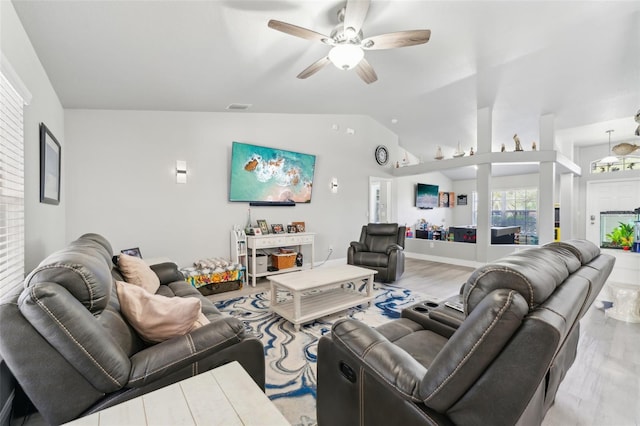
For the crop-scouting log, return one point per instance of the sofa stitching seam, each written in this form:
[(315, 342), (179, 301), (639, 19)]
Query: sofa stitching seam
[(401, 391), (68, 333), (149, 373), (501, 269), (475, 346), (76, 270)]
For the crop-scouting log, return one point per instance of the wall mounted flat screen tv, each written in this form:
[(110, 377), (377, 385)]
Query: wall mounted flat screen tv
[(426, 196), (262, 174)]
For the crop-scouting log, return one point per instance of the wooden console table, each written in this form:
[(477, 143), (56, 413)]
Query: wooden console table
[(225, 396), (256, 242)]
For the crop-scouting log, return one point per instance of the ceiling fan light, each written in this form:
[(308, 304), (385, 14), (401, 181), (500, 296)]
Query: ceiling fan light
[(346, 56)]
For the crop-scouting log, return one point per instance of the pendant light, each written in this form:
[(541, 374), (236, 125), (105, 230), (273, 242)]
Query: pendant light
[(609, 158)]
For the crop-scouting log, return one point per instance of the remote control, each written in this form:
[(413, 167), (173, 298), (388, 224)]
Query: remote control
[(455, 305)]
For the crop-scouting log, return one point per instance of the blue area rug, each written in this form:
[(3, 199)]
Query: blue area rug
[(291, 356)]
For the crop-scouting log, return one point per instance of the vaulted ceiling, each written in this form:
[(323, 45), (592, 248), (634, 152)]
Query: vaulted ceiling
[(578, 60)]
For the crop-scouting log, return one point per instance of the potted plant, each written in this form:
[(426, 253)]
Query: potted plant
[(622, 236)]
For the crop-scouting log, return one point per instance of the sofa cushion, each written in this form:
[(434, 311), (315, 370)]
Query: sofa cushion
[(535, 274), (136, 271), (157, 318), (584, 250), (83, 268)]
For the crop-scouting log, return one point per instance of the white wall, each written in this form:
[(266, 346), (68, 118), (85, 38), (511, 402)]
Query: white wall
[(121, 177), (463, 215), (408, 214), (44, 223)]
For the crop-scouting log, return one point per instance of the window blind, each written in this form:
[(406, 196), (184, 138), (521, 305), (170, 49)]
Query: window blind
[(11, 187)]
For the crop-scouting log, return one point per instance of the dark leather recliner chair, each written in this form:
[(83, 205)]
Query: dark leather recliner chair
[(500, 362), (73, 353), (381, 247)]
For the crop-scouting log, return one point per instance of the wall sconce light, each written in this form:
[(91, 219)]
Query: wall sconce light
[(334, 185), (181, 171)]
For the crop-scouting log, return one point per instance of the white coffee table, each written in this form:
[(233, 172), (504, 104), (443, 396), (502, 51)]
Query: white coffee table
[(223, 396), (320, 291)]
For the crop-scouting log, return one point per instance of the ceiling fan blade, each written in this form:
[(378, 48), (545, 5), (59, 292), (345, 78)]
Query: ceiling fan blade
[(354, 15), (399, 39), (297, 31), (314, 67), (365, 72)]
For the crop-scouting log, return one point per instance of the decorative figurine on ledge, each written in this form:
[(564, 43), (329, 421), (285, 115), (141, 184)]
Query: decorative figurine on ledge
[(534, 147), (471, 151), (439, 155), (502, 148), (517, 141), (625, 148)]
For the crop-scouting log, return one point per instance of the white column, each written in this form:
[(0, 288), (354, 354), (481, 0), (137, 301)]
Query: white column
[(483, 230), (566, 206), (546, 182), (483, 184), (546, 213), (547, 133), (484, 129)]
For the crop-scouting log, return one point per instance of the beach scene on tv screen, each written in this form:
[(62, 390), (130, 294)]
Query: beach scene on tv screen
[(267, 174)]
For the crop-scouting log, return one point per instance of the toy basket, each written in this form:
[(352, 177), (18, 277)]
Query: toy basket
[(283, 260)]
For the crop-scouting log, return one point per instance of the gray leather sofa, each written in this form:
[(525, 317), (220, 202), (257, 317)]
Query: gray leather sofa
[(500, 362), (73, 353), (380, 247)]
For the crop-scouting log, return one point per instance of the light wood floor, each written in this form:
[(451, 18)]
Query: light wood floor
[(602, 387)]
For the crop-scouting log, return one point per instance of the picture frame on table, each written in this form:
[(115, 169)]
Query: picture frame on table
[(135, 251), (277, 228), (291, 229), (263, 226), (257, 231), (300, 227), (50, 161)]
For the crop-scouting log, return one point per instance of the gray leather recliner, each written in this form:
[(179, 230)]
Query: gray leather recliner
[(500, 362), (381, 247), (73, 353)]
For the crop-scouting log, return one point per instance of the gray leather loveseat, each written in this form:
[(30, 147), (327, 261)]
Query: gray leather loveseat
[(500, 362), (72, 351)]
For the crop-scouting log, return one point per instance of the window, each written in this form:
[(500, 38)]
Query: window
[(514, 207), (11, 186), (517, 207)]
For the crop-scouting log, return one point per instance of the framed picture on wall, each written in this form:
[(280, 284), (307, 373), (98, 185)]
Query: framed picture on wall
[(50, 156), (462, 199), (446, 199)]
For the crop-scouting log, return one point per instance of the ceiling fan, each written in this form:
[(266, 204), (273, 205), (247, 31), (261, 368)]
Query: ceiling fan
[(347, 42)]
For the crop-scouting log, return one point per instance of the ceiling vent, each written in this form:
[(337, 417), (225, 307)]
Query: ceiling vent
[(238, 107)]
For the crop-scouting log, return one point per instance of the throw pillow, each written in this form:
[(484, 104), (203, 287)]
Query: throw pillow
[(136, 271), (157, 318)]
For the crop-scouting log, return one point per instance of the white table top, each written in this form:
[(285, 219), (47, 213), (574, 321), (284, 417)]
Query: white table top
[(317, 277), (225, 396)]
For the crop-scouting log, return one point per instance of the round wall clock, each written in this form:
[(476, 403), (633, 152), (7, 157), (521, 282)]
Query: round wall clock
[(382, 155)]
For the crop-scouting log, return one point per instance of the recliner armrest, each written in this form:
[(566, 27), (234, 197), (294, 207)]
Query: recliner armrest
[(357, 246), (388, 361), (167, 272), (174, 354), (393, 247)]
